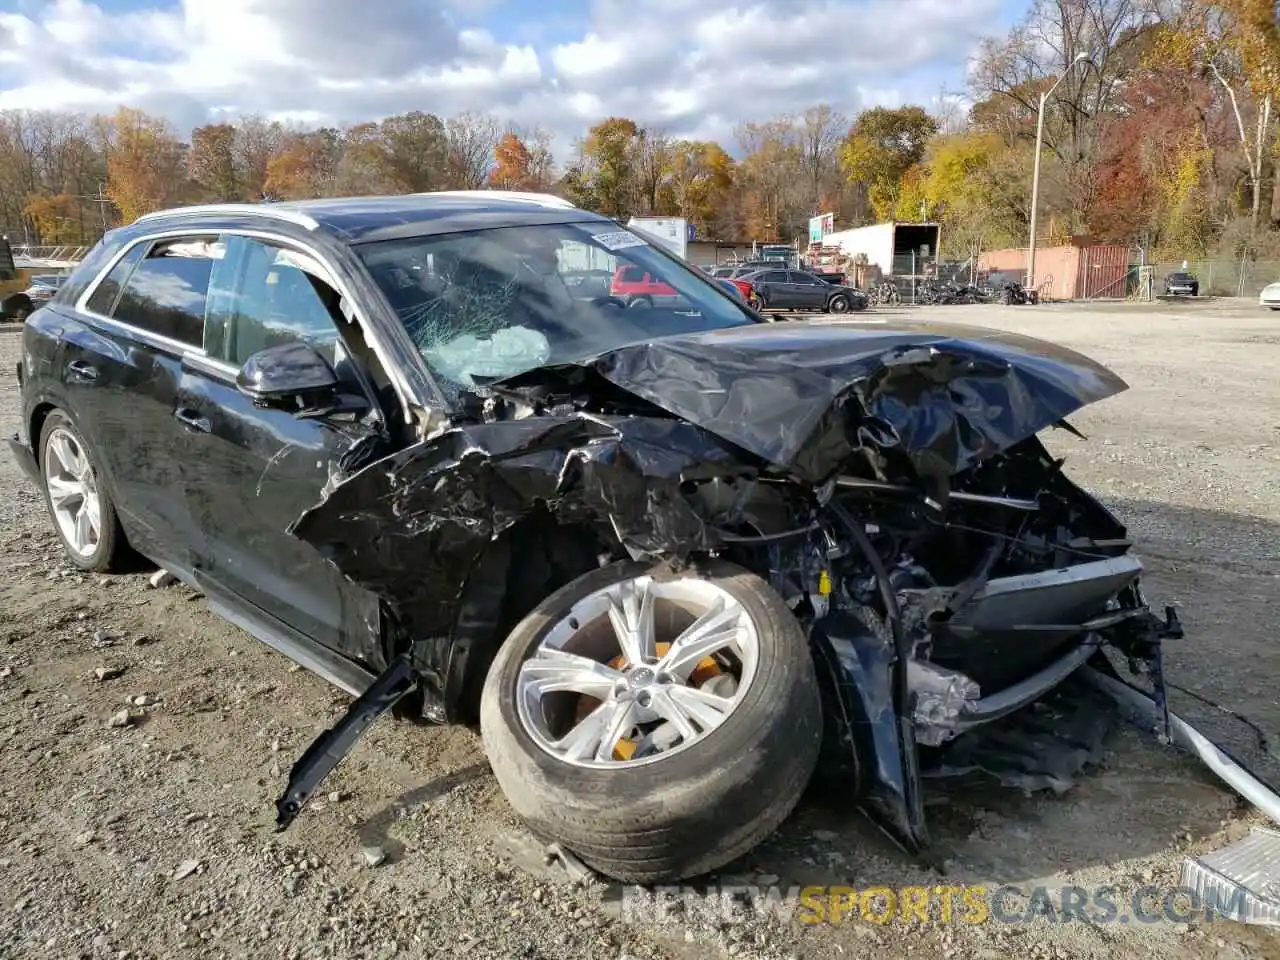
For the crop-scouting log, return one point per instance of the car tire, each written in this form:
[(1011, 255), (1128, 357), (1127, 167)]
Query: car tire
[(108, 551), (671, 815), (838, 304), (640, 303), (17, 308)]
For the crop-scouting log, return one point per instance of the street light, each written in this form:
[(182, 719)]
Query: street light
[(1035, 176)]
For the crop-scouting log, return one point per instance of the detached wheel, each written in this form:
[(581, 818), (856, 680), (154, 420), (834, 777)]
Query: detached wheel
[(82, 511), (658, 724)]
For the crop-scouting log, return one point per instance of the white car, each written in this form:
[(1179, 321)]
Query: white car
[(1270, 296)]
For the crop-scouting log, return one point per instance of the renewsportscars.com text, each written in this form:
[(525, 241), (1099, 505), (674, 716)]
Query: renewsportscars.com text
[(976, 904)]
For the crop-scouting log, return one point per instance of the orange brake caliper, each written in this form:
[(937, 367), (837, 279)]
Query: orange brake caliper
[(704, 671)]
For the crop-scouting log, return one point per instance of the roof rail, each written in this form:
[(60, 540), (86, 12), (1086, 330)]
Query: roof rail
[(543, 199), (260, 209)]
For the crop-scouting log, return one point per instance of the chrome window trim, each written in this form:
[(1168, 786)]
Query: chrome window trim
[(260, 210), (405, 393)]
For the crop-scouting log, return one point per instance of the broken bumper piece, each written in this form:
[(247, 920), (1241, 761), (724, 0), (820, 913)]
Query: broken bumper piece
[(1242, 881), (327, 751)]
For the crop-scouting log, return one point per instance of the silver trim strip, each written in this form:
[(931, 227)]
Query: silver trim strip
[(1126, 565), (408, 399), (1006, 701), (261, 210), (515, 196), (336, 670), (857, 483)]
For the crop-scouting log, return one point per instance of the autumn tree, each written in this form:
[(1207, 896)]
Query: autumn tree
[(652, 165), (1237, 42), (54, 217), (881, 147), (700, 178), (1011, 74), (145, 164), (418, 150), (471, 140), (603, 177), (305, 166), (821, 130), (211, 162), (511, 162), (256, 141)]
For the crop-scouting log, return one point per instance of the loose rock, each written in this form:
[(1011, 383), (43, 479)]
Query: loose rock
[(161, 578), (185, 869)]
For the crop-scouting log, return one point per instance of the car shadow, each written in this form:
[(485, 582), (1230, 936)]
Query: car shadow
[(375, 831)]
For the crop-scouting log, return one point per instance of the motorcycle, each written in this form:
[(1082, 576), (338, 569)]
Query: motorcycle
[(1015, 294)]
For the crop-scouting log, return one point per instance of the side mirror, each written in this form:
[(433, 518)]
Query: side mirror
[(291, 375)]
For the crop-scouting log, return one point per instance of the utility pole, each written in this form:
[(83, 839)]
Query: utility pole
[(1035, 175)]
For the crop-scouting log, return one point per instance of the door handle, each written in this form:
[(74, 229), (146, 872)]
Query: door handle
[(192, 419), (81, 370)]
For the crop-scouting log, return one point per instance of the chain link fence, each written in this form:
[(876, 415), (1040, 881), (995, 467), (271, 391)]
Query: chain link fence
[(1220, 278)]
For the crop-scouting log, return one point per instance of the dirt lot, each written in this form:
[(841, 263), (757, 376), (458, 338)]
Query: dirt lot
[(154, 839)]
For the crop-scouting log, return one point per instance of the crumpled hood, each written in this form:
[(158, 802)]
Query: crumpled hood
[(809, 396)]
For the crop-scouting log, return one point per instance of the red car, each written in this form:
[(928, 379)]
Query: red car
[(637, 288)]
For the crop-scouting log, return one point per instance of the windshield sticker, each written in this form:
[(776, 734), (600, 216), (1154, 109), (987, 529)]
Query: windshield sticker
[(619, 240)]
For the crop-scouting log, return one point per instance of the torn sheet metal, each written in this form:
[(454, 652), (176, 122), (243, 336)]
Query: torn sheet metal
[(820, 398), (411, 526)]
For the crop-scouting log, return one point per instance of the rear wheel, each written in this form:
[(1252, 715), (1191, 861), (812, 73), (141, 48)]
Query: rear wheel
[(640, 303), (659, 724), (79, 504)]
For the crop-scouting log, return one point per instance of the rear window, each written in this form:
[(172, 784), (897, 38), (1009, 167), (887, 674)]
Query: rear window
[(167, 291), (88, 268)]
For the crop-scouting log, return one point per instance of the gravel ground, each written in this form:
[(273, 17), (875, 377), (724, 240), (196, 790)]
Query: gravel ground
[(154, 839)]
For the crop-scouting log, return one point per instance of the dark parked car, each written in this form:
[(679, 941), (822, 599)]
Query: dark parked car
[(1181, 284), (19, 306), (798, 290), (666, 557)]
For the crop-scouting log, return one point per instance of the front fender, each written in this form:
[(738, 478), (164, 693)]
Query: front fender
[(871, 736)]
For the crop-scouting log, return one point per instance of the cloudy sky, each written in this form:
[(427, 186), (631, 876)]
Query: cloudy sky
[(690, 67)]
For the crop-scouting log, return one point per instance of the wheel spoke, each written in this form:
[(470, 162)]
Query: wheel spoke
[(707, 710), (61, 447), (93, 509), (62, 491), (665, 705), (714, 630), (631, 613), (596, 735), (554, 671), (83, 529)]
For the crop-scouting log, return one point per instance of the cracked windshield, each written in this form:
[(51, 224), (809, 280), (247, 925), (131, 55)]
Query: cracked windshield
[(495, 303)]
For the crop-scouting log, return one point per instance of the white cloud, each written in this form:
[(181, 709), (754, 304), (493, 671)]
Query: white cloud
[(692, 68)]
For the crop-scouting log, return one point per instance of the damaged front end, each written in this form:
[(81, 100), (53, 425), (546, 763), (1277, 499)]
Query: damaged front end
[(888, 484)]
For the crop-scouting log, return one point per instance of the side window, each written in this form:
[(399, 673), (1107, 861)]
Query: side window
[(166, 292), (775, 276), (103, 299), (264, 295), (803, 278)]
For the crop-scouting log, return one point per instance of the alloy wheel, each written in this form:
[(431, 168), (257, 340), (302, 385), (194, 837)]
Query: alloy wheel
[(73, 492), (638, 671)]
